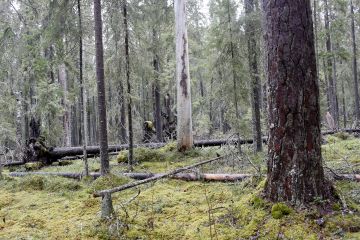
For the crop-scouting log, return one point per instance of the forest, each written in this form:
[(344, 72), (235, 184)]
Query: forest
[(179, 119)]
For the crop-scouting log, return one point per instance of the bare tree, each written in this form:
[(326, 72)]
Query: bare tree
[(184, 118)]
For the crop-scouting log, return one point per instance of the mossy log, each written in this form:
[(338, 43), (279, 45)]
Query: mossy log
[(140, 176)]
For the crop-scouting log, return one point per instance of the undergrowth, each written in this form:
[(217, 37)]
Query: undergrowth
[(40, 207)]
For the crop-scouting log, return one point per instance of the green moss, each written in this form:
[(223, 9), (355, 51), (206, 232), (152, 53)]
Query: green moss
[(31, 166), (336, 207), (258, 202), (106, 182), (279, 210), (342, 135), (32, 183)]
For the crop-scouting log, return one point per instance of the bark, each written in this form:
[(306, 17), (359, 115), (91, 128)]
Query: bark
[(157, 96), (329, 64), (295, 171), (343, 103), (127, 59), (83, 97), (184, 111), (254, 73), (66, 117), (234, 75), (104, 158), (354, 62)]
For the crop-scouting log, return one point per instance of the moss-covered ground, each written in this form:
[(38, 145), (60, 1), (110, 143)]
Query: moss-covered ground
[(38, 207)]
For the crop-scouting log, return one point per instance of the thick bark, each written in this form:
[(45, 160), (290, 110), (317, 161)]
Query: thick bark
[(184, 111), (329, 65), (295, 171), (355, 73), (254, 73), (104, 158), (127, 59)]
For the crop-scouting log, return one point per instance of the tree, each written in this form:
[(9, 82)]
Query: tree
[(355, 76), (184, 118), (254, 74), (295, 171), (104, 158), (127, 59)]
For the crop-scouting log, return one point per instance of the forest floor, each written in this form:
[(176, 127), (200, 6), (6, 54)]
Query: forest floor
[(41, 207)]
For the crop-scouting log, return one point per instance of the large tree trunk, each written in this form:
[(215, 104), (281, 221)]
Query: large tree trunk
[(127, 59), (254, 73), (332, 85), (104, 158), (295, 171), (184, 118), (355, 76)]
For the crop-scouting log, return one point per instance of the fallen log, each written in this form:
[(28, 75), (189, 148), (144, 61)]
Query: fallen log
[(15, 163), (350, 177), (154, 178), (140, 176), (347, 130)]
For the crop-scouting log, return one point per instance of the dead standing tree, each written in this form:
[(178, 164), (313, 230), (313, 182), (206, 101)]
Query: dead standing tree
[(184, 118)]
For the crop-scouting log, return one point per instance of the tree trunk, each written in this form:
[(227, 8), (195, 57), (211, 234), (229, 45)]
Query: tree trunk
[(66, 117), (295, 171), (83, 97), (254, 74), (127, 58), (184, 115), (157, 96), (104, 158), (355, 76), (332, 85), (234, 75)]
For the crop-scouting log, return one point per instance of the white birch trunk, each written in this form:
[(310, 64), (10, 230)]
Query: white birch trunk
[(184, 118)]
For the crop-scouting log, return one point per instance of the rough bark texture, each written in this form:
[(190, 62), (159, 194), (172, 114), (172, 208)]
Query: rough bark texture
[(127, 59), (254, 73), (184, 118), (295, 171), (66, 117), (355, 76), (104, 158)]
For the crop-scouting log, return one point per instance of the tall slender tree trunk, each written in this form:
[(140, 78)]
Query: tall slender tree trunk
[(355, 72), (254, 74), (295, 171), (332, 85), (234, 75), (184, 111), (65, 102), (157, 96), (343, 103), (104, 158), (127, 69), (83, 97)]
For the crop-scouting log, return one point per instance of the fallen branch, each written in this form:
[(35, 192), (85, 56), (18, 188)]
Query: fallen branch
[(140, 182), (141, 176), (15, 163)]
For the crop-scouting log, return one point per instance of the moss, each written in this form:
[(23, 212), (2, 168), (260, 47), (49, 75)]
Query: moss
[(342, 135), (106, 182), (279, 210), (258, 202), (32, 183), (31, 166), (336, 207)]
